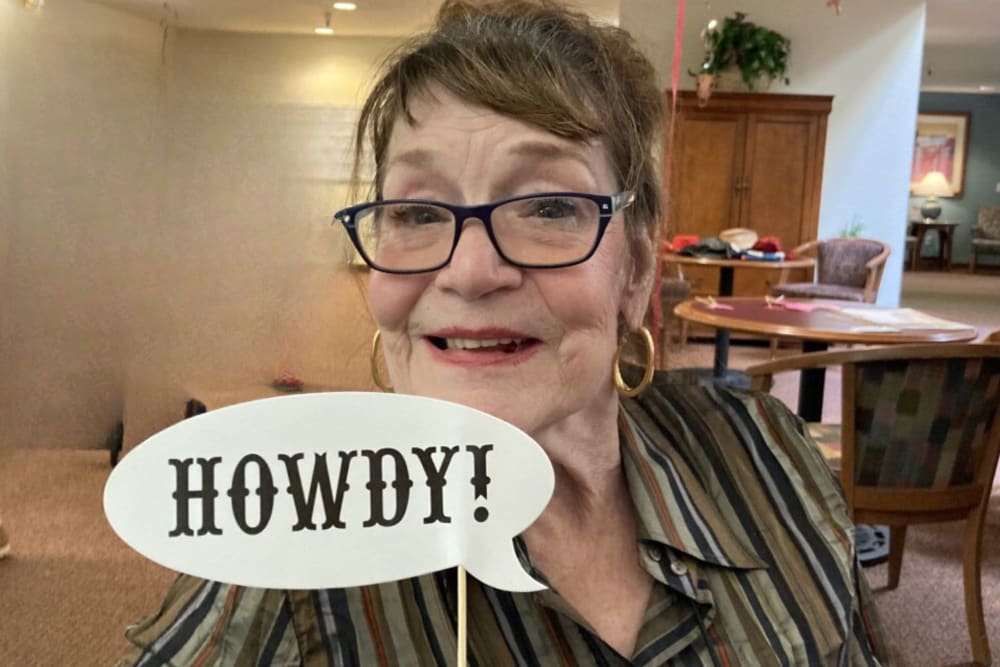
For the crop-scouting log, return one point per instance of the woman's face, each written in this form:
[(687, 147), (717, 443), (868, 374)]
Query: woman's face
[(531, 346)]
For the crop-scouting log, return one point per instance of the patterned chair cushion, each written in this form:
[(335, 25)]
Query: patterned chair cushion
[(842, 261), (819, 291), (923, 424), (672, 292), (986, 244)]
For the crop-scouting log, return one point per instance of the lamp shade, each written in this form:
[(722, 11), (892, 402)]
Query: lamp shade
[(934, 184)]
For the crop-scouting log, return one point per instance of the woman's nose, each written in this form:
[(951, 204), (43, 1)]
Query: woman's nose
[(476, 268)]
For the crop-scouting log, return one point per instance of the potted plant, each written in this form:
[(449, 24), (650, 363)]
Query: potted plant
[(757, 52)]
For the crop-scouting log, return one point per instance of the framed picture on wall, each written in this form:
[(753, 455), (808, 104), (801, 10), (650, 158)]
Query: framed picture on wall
[(941, 145)]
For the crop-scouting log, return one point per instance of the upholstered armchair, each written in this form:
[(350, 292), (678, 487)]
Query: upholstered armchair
[(919, 439), (986, 234), (673, 290), (848, 269)]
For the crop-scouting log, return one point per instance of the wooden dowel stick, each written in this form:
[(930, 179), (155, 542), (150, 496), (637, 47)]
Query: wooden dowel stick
[(461, 617)]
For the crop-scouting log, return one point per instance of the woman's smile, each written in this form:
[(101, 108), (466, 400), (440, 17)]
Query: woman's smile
[(481, 347)]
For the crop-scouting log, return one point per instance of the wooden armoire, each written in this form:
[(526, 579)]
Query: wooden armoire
[(750, 160)]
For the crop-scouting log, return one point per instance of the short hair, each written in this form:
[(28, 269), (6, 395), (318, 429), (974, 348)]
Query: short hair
[(544, 64)]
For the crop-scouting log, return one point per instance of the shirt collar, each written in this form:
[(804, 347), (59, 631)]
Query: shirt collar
[(673, 507)]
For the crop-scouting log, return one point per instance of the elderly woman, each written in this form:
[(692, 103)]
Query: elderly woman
[(510, 234)]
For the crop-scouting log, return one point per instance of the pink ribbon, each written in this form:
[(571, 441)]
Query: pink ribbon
[(675, 77)]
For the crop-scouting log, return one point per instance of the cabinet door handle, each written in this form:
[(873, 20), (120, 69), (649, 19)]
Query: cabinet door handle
[(742, 186)]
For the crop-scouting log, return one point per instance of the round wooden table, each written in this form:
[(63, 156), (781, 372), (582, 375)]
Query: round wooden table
[(727, 268), (816, 329)]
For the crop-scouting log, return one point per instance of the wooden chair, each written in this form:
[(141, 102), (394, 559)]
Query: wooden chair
[(848, 269), (674, 289), (985, 235), (920, 436)]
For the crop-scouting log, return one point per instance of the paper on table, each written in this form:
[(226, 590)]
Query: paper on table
[(807, 307), (874, 328), (901, 318)]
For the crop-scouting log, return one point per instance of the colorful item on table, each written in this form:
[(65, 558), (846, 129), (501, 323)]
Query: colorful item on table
[(681, 241), (765, 248), (757, 255), (740, 238), (767, 244)]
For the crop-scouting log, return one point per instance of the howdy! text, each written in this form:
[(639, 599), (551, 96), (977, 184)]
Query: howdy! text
[(433, 460)]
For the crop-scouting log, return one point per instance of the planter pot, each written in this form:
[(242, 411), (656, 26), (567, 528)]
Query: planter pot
[(730, 80)]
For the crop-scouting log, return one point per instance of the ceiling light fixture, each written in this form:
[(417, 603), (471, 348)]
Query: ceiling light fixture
[(324, 30), (345, 6)]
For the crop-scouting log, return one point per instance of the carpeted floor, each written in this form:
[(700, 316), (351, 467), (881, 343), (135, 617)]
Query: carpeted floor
[(70, 586)]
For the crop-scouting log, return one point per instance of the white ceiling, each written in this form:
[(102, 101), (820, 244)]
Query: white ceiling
[(962, 47), (372, 17)]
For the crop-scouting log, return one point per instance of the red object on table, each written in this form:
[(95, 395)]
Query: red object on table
[(680, 242), (767, 244)]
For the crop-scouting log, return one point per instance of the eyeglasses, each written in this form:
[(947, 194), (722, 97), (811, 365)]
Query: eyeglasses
[(540, 231)]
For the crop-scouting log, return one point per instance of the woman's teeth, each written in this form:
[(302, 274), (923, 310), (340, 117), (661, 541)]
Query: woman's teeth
[(508, 345), (477, 343)]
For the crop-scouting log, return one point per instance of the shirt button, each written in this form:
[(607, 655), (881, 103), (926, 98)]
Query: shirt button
[(655, 552), (678, 568)]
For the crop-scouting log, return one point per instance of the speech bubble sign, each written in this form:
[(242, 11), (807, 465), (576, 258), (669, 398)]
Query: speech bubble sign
[(332, 490)]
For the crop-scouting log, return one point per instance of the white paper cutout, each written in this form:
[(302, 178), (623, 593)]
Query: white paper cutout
[(261, 456)]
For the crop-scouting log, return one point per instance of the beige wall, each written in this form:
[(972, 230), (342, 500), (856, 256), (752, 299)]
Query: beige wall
[(166, 219), (6, 25), (80, 168), (241, 282)]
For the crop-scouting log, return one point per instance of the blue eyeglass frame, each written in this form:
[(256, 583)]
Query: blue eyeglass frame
[(607, 206)]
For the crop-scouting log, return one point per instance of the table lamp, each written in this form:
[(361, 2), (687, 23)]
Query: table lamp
[(932, 186)]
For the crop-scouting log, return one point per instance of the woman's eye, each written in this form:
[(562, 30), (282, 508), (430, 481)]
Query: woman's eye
[(416, 215), (553, 208)]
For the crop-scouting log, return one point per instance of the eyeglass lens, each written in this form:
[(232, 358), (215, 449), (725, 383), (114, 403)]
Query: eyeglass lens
[(539, 231)]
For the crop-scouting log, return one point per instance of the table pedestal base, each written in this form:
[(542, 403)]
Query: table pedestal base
[(871, 543)]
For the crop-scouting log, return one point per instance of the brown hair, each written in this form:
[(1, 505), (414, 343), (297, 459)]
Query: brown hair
[(540, 63)]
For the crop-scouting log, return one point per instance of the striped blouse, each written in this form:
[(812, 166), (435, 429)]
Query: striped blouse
[(740, 522)]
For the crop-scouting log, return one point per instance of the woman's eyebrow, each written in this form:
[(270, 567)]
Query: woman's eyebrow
[(539, 150), (543, 156), (550, 151), (416, 157)]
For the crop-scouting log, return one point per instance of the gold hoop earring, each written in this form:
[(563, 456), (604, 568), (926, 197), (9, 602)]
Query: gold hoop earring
[(647, 376), (374, 361)]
